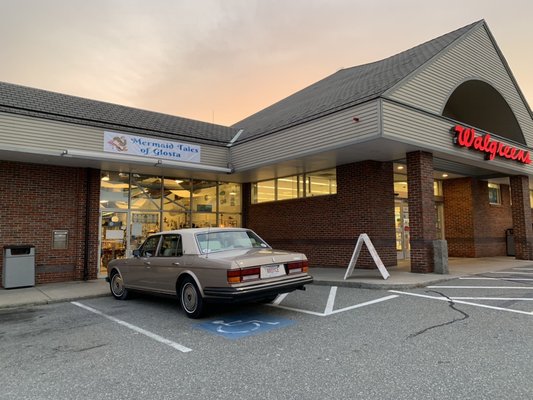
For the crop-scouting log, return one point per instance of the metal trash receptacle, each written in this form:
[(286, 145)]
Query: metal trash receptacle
[(19, 266), (509, 242)]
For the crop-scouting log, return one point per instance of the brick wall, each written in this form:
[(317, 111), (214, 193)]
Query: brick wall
[(491, 220), (458, 217), (422, 216), (35, 200), (521, 211), (326, 228), (473, 227)]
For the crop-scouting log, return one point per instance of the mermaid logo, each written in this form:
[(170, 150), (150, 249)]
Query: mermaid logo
[(120, 143)]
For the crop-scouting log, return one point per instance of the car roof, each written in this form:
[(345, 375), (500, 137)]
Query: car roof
[(192, 231)]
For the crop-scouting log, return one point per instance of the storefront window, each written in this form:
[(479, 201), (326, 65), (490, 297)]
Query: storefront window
[(143, 224), (204, 220), (318, 183), (264, 191), (204, 204), (176, 195), (400, 188), (133, 206), (230, 220), (114, 237), (321, 183), (494, 193), (437, 188), (114, 190), (290, 187), (145, 193)]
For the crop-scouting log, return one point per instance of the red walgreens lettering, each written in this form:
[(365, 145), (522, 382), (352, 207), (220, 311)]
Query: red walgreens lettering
[(466, 137)]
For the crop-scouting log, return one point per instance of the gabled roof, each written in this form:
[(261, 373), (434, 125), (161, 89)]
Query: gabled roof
[(39, 103), (345, 88)]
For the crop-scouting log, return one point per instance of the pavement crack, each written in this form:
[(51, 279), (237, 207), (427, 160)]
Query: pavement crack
[(452, 305)]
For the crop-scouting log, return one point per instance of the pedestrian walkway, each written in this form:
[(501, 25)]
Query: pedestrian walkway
[(400, 278)]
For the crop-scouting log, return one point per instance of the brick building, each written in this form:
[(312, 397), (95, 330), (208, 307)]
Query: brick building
[(417, 147)]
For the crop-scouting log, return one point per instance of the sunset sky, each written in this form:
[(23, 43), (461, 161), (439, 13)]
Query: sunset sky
[(223, 60)]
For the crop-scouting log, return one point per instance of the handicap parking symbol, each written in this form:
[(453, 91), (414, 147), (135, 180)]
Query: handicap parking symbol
[(239, 326)]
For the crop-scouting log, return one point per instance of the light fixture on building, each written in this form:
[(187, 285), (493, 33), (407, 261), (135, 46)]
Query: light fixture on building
[(444, 175), (400, 167)]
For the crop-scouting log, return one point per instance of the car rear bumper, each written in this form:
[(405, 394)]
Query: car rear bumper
[(255, 292)]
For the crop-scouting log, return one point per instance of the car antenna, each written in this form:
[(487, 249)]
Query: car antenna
[(207, 250)]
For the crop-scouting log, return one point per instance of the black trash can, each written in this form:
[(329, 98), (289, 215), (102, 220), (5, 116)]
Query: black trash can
[(509, 241), (19, 266)]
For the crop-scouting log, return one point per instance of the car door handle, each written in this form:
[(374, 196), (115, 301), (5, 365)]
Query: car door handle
[(147, 263), (176, 263)]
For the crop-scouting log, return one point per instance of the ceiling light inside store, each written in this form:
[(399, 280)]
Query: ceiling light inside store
[(105, 178), (178, 181)]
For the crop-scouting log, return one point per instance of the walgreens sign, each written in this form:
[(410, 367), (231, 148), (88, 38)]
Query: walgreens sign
[(467, 137)]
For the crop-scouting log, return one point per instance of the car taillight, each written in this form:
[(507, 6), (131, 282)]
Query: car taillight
[(243, 274), (298, 267)]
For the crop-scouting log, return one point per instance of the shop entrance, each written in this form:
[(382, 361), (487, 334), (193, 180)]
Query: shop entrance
[(401, 218), (121, 232), (113, 238)]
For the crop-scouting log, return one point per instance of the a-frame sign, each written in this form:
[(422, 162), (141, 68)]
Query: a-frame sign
[(363, 238)]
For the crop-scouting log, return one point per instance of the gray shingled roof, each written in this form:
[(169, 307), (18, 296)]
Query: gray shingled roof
[(344, 88), (39, 103)]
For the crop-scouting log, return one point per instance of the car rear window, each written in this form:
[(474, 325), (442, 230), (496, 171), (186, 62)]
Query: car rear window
[(229, 240)]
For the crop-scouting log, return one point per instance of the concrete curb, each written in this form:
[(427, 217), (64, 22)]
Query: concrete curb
[(51, 301), (379, 286)]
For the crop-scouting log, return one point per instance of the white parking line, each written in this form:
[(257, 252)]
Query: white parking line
[(364, 304), (330, 304), (482, 287), (462, 302), (151, 335), (331, 300), (297, 310), (495, 279), (492, 298), (280, 298), (510, 273)]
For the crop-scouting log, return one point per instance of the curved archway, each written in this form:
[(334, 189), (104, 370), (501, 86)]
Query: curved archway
[(478, 104)]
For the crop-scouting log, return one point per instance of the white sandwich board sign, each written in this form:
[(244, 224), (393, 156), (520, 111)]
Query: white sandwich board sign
[(363, 238)]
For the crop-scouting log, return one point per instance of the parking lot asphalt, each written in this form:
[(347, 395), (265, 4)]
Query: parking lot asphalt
[(400, 278)]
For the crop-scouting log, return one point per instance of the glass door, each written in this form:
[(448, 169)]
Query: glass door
[(401, 221), (114, 236)]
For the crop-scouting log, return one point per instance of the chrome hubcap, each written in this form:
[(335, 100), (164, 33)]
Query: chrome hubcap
[(189, 297), (117, 285)]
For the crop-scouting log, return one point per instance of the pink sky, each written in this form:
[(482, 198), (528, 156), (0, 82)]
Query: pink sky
[(221, 61)]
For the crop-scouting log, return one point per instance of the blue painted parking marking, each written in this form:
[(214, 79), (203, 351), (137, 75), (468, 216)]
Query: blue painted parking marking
[(239, 326)]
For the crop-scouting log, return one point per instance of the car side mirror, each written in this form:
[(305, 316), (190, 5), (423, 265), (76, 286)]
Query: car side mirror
[(136, 253)]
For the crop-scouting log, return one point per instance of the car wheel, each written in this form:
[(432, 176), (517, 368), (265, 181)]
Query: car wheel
[(190, 298), (118, 290)]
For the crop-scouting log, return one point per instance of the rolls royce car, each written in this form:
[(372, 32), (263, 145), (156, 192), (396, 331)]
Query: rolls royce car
[(206, 265)]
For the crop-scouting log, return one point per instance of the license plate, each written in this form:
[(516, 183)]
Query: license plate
[(271, 271)]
